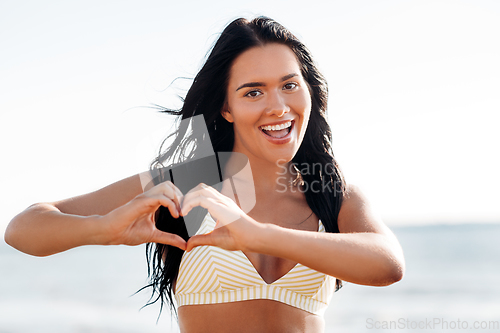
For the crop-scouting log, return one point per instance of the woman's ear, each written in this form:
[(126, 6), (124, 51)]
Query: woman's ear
[(226, 113)]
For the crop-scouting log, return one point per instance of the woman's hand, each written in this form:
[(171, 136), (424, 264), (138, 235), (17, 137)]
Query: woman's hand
[(233, 227), (134, 222)]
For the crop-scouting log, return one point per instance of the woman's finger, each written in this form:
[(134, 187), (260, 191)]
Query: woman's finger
[(149, 204), (203, 188), (173, 192), (194, 200), (171, 205), (168, 188), (168, 239), (196, 193), (199, 240)]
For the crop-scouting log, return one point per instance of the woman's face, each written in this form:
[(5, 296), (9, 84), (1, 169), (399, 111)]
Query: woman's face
[(268, 102)]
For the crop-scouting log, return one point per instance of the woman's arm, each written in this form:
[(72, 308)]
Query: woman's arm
[(364, 252), (120, 213)]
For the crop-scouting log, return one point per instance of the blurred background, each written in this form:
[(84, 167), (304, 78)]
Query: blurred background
[(414, 107)]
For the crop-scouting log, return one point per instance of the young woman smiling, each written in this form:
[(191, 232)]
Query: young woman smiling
[(273, 268)]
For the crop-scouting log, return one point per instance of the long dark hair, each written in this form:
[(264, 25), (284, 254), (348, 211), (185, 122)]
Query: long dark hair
[(207, 96)]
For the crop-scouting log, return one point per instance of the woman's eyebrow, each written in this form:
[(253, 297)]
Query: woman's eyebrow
[(289, 76), (251, 85), (262, 84)]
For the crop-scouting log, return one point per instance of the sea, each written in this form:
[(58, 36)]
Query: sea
[(452, 283)]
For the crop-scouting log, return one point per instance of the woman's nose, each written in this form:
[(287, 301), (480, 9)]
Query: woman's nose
[(277, 104)]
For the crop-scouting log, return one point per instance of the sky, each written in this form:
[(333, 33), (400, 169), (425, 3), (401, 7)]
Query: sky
[(413, 99)]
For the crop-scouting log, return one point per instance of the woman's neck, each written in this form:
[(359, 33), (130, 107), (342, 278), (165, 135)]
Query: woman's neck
[(267, 177)]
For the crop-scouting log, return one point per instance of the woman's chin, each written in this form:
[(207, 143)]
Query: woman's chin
[(280, 158)]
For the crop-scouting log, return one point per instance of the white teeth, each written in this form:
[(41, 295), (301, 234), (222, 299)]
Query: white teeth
[(277, 127)]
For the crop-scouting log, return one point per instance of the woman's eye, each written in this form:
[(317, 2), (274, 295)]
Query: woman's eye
[(253, 93), (289, 86)]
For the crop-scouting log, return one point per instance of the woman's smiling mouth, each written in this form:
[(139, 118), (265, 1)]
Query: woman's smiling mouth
[(277, 131), (278, 134)]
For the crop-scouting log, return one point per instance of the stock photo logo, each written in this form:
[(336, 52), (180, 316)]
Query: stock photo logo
[(227, 172)]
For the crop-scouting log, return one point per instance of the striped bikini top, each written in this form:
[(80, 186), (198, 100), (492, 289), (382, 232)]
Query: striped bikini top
[(211, 275)]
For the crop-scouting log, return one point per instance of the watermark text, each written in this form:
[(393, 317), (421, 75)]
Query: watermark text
[(431, 324)]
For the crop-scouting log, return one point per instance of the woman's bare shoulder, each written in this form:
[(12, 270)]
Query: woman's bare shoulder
[(357, 214)]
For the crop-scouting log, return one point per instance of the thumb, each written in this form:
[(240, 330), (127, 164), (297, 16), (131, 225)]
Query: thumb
[(198, 240), (169, 239)]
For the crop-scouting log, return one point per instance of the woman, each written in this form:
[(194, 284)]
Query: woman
[(271, 268)]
